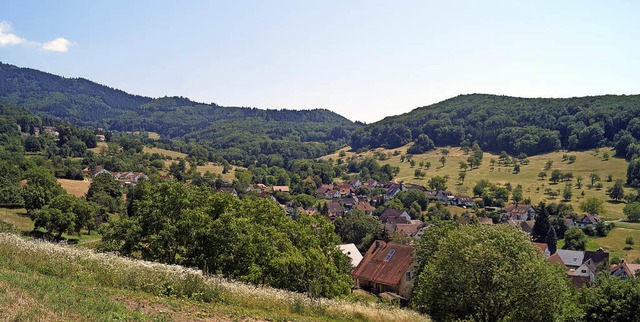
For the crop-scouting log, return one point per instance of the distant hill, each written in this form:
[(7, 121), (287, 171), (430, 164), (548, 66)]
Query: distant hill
[(232, 132), (515, 125)]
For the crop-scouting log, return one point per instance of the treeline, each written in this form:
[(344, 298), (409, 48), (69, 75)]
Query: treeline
[(251, 240), (515, 125), (235, 134)]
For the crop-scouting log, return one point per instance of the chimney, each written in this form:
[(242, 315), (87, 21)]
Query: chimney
[(377, 246)]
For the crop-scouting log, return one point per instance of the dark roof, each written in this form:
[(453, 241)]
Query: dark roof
[(464, 199), (408, 229), (597, 256), (527, 226), (393, 215), (385, 263), (335, 207), (590, 218)]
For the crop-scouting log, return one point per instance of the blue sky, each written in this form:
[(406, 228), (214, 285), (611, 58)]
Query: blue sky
[(362, 59)]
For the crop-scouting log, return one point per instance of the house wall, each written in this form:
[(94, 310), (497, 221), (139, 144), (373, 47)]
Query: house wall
[(405, 287)]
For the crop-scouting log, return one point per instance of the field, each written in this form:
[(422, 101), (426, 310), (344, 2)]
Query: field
[(77, 188), (168, 153), (46, 282), (587, 162)]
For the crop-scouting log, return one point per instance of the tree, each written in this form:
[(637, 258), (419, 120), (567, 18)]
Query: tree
[(419, 173), (617, 191), (552, 240), (516, 168), (359, 229), (575, 239), (438, 183), (463, 166), (579, 182), (632, 211), (611, 298), (542, 175), (462, 176), (443, 160), (421, 145), (517, 194), (594, 177), (548, 165), (542, 224), (556, 175), (41, 188), (567, 192), (629, 241), (633, 173), (497, 271), (592, 205)]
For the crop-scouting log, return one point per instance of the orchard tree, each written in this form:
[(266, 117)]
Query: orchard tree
[(497, 272), (41, 188), (575, 239), (592, 205), (632, 211), (443, 160), (617, 191)]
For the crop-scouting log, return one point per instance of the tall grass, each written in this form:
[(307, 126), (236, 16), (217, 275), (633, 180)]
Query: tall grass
[(79, 266)]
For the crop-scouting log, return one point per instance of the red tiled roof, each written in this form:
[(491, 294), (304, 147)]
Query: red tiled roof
[(555, 258), (518, 209), (542, 246), (375, 268), (365, 206), (408, 229)]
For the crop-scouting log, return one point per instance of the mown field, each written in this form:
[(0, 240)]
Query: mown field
[(587, 162), (47, 282)]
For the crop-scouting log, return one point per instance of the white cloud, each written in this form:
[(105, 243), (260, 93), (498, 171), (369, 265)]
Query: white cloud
[(7, 38), (60, 45)]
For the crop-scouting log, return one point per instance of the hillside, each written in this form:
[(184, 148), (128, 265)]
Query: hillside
[(234, 130), (515, 125), (90, 286)]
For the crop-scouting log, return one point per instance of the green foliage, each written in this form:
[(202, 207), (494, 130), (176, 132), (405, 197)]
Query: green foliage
[(41, 188), (490, 273), (359, 229), (632, 211), (611, 299), (617, 191), (421, 145), (255, 241), (575, 239), (438, 183), (592, 205)]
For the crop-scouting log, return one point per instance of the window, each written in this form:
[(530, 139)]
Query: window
[(391, 252), (407, 276)]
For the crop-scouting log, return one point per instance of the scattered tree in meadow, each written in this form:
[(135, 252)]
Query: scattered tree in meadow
[(617, 191), (443, 160), (632, 211), (592, 205)]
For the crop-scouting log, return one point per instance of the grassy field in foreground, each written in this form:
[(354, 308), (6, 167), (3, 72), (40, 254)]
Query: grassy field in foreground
[(587, 162), (47, 282)]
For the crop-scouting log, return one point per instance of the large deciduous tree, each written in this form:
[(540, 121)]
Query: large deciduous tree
[(490, 273)]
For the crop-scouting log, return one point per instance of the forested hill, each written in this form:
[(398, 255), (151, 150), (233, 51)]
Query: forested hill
[(229, 131), (515, 125)]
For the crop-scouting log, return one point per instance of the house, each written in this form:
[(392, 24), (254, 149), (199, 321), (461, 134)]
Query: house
[(335, 210), (572, 259), (140, 177), (527, 226), (284, 189), (324, 190), (365, 207), (584, 274), (485, 221), (228, 190), (352, 252), (371, 184), (463, 201), (409, 230), (100, 171), (386, 267), (392, 189), (350, 203), (345, 190), (354, 183), (544, 248), (624, 269), (395, 216), (445, 196), (588, 220), (100, 137), (519, 212), (333, 194)]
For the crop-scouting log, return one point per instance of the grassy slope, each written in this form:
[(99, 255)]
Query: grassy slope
[(47, 282), (586, 163)]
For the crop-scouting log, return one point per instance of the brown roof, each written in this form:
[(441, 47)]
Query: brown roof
[(335, 208), (527, 226), (630, 269), (518, 209), (281, 188), (485, 221), (556, 259), (393, 216), (365, 206), (542, 246), (377, 266), (408, 229)]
